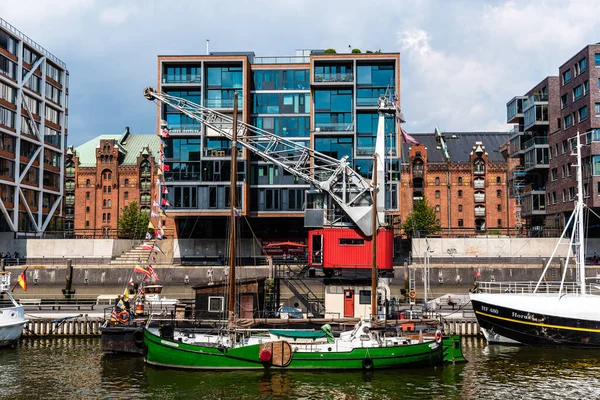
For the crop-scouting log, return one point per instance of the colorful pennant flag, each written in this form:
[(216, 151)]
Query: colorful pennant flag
[(150, 225), (152, 272), (140, 270), (147, 247), (165, 190), (131, 281), (156, 248), (153, 214), (126, 294), (166, 168), (148, 236)]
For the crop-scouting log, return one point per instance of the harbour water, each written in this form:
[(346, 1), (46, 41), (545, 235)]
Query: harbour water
[(72, 368)]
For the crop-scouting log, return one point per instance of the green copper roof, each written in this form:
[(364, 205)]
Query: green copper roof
[(130, 145)]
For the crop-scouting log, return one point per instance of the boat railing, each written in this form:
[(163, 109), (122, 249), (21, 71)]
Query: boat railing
[(529, 287)]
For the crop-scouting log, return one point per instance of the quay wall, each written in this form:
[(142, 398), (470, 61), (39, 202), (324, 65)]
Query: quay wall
[(449, 274), (90, 327), (98, 250), (496, 246)]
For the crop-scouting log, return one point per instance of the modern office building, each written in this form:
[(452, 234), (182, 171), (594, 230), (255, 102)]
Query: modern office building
[(464, 176), (33, 129), (326, 101), (103, 176)]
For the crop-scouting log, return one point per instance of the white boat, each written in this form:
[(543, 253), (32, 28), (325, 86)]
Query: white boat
[(12, 314), (545, 313), (155, 302)]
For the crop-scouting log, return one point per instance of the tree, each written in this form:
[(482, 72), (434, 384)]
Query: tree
[(422, 221), (330, 51), (133, 223)]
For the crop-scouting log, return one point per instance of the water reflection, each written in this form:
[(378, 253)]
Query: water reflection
[(76, 368)]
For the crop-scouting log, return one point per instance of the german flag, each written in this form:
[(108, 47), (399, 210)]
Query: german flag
[(22, 280)]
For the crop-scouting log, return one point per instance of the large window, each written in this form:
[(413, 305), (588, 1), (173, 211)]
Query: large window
[(284, 126), (52, 115), (596, 165), (225, 77), (292, 79), (280, 103), (366, 132), (8, 67), (183, 149), (7, 117), (7, 93), (184, 196), (566, 76), (336, 147), (334, 73), (53, 72), (375, 75), (181, 73), (8, 43), (597, 59)]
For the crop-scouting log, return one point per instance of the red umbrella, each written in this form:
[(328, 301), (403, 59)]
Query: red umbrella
[(290, 244)]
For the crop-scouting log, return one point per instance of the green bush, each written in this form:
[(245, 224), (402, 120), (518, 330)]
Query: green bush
[(330, 51), (356, 51)]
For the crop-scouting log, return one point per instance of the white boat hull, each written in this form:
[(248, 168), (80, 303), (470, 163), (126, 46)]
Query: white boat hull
[(12, 320)]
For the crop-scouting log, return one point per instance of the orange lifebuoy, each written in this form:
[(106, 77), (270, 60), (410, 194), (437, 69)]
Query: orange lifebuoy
[(123, 317), (412, 294), (438, 336)]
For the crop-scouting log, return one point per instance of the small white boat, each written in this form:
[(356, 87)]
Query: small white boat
[(12, 314), (155, 302)]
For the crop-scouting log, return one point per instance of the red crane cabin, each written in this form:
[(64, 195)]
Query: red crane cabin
[(342, 249)]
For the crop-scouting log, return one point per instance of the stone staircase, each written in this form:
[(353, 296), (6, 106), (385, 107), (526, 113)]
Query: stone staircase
[(131, 257)]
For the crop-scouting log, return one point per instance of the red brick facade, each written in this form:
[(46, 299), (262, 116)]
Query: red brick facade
[(104, 190)]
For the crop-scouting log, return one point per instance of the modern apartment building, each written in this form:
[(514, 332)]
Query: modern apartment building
[(532, 116), (464, 176), (33, 129), (579, 112), (547, 120), (103, 176), (326, 101)]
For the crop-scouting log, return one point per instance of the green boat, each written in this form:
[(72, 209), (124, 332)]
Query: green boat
[(359, 349)]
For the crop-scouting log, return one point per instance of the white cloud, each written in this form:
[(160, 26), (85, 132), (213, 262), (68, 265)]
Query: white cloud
[(117, 15)]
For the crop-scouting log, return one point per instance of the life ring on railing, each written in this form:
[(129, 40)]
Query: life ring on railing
[(412, 294), (438, 337), (123, 317)]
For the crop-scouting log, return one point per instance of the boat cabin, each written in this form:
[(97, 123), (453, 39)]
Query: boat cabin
[(212, 300), (353, 300)]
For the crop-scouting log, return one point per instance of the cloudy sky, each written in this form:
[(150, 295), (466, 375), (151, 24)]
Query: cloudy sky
[(461, 60)]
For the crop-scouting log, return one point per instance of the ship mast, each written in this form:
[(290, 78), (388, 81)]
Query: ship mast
[(232, 200), (581, 247), (374, 244)]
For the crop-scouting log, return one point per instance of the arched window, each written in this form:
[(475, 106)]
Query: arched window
[(106, 175), (479, 167), (497, 180), (437, 180), (460, 181)]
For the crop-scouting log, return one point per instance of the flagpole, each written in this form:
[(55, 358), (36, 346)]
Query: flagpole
[(17, 282)]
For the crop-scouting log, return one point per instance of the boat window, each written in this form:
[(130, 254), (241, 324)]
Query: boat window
[(352, 242), (215, 304)]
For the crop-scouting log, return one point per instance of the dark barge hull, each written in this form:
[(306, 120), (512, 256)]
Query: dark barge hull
[(537, 329), (123, 339)]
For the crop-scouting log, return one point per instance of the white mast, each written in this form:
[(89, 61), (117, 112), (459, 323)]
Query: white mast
[(579, 205)]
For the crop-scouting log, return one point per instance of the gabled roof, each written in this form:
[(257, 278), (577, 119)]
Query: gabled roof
[(459, 145), (130, 145)]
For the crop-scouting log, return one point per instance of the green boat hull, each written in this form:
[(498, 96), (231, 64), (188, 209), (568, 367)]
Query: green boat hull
[(453, 349), (167, 353)]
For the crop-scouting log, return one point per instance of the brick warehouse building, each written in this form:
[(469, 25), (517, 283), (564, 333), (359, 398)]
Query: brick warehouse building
[(548, 118), (103, 176), (33, 130), (464, 176)]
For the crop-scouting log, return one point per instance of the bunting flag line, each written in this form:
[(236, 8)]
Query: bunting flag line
[(131, 283), (166, 168), (163, 213), (150, 225), (153, 214), (153, 257), (165, 190), (147, 247), (148, 236), (155, 204)]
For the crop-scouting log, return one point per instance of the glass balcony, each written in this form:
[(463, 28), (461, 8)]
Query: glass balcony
[(223, 103), (333, 77), (514, 109), (537, 115), (536, 98), (539, 140), (181, 78), (334, 127)]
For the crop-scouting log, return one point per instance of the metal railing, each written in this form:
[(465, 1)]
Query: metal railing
[(334, 126), (334, 77), (31, 43), (547, 287), (282, 60), (181, 78)]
